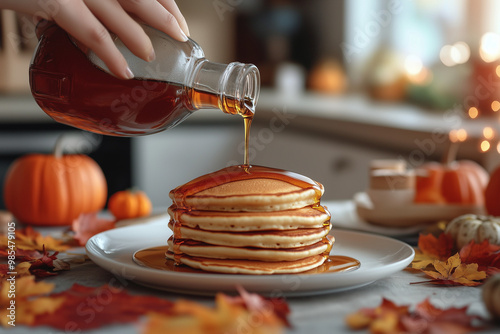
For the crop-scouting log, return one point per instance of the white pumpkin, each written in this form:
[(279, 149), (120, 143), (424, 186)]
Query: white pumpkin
[(491, 295), (466, 228)]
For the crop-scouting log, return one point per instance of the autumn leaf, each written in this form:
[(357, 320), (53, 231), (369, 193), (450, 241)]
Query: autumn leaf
[(20, 270), (454, 272), (29, 239), (390, 318), (229, 315), (487, 256), (88, 225), (22, 254), (431, 248), (89, 308), (382, 319), (30, 301)]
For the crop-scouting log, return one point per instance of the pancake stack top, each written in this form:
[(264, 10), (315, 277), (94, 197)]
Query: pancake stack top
[(249, 220)]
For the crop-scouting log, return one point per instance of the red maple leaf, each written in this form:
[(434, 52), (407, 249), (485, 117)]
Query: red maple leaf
[(425, 319), (441, 247), (88, 225), (484, 254), (89, 308), (22, 254)]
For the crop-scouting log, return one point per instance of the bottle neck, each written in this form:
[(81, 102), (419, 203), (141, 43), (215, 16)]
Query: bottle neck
[(232, 88)]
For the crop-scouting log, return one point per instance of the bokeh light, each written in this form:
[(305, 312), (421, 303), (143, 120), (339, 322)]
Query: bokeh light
[(495, 105), (489, 49), (458, 53), (485, 146), (488, 133), (473, 112)]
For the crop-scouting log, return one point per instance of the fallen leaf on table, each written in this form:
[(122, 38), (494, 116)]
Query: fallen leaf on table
[(382, 319), (470, 265), (38, 264), (22, 269), (88, 224), (29, 239), (454, 272), (22, 254), (487, 256), (248, 313), (89, 308), (431, 248), (30, 301), (425, 319)]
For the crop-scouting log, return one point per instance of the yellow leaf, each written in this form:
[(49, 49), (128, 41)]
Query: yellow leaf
[(28, 300)]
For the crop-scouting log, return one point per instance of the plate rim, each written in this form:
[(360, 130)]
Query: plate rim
[(256, 282)]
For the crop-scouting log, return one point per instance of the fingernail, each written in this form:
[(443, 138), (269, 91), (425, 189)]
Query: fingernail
[(184, 38), (128, 73), (152, 55)]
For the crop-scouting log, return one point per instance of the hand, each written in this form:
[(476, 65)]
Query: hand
[(89, 21)]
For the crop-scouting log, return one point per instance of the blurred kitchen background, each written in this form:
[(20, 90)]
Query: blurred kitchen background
[(343, 82)]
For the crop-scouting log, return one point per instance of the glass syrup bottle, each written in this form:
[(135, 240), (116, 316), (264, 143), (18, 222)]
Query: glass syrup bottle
[(75, 87)]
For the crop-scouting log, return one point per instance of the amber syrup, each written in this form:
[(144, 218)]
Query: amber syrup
[(73, 91)]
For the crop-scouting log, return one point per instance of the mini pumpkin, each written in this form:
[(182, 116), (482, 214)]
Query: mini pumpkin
[(491, 296), (127, 204), (466, 228), (451, 182), (54, 189)]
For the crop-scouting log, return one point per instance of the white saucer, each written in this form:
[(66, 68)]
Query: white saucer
[(409, 215), (379, 256)]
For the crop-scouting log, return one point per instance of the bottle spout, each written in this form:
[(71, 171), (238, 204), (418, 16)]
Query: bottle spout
[(233, 88)]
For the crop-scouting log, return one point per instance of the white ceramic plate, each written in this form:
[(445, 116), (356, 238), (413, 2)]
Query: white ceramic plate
[(379, 256)]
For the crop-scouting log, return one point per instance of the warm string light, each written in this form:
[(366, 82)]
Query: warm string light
[(489, 134), (457, 135), (473, 112), (495, 106)]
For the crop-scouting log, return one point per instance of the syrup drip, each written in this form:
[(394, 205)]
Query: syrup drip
[(154, 258)]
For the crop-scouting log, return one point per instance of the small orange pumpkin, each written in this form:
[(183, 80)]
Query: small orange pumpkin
[(54, 189), (452, 182), (127, 204), (492, 194)]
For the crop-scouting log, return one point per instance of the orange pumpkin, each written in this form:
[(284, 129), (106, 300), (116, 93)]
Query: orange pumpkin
[(453, 182), (492, 194), (127, 204), (54, 189)]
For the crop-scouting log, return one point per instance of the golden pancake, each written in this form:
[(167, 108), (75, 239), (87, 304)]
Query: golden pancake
[(249, 267), (308, 217), (263, 239), (255, 188), (201, 249), (249, 220)]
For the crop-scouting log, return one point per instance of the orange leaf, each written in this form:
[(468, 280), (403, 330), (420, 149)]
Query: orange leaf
[(440, 248), (484, 254), (230, 315), (390, 318), (29, 239), (454, 272), (88, 225), (29, 301), (88, 308)]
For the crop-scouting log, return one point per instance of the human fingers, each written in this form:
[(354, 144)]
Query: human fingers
[(116, 19), (90, 32), (172, 7), (156, 15)]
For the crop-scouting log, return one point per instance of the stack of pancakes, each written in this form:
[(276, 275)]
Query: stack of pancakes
[(249, 221)]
